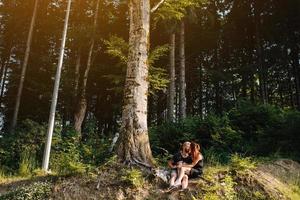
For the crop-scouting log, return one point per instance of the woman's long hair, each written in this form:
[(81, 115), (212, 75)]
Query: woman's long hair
[(195, 150)]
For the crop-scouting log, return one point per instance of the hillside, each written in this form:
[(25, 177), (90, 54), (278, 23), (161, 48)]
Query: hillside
[(278, 179)]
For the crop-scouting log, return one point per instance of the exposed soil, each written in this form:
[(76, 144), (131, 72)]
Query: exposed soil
[(271, 180)]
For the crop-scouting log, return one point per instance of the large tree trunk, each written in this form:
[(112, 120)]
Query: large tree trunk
[(182, 82), (134, 146), (80, 111), (24, 67), (46, 156), (172, 89)]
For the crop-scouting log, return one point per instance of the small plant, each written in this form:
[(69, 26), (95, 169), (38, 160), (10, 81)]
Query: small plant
[(27, 164), (228, 187), (221, 184), (134, 177), (2, 174), (240, 164), (211, 196), (258, 195), (39, 172)]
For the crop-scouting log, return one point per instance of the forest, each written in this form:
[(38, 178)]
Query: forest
[(88, 86)]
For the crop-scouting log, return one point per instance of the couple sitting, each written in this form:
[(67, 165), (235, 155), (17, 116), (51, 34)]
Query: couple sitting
[(185, 164)]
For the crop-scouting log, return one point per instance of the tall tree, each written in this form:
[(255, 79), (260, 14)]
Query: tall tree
[(172, 88), (182, 82), (134, 147), (260, 60), (24, 67), (82, 101), (46, 156)]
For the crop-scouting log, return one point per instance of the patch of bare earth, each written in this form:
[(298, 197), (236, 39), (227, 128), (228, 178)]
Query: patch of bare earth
[(268, 181)]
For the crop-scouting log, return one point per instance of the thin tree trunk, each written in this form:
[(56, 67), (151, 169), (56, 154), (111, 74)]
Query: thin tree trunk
[(172, 89), (289, 78), (76, 85), (46, 156), (295, 61), (77, 74), (182, 82), (261, 68), (290, 86), (201, 90), (5, 60), (24, 67), (3, 84), (4, 71), (82, 101), (134, 146)]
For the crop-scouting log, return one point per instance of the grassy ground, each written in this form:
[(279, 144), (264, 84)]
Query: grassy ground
[(240, 179)]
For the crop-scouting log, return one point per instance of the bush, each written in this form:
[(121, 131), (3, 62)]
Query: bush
[(250, 129), (134, 177), (23, 146), (213, 132), (240, 163), (65, 158)]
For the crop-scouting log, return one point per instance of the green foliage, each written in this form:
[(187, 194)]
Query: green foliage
[(118, 48), (39, 172), (211, 196), (215, 157), (222, 184), (35, 191), (241, 163), (158, 77), (266, 126), (228, 188), (174, 10), (213, 131), (27, 164), (65, 158), (133, 176), (248, 129), (23, 148)]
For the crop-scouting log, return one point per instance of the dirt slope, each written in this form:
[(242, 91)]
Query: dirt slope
[(272, 180)]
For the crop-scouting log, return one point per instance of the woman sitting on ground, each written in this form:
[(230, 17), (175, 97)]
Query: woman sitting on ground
[(193, 170), (180, 158)]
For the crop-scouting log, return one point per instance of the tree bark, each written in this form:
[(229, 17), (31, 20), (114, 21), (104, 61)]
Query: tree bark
[(182, 82), (4, 71), (77, 74), (295, 62), (172, 89), (200, 90), (261, 67), (134, 146), (46, 156), (80, 112), (3, 84), (24, 67), (288, 84)]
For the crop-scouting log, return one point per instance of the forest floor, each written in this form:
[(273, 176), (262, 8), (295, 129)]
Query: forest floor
[(278, 179)]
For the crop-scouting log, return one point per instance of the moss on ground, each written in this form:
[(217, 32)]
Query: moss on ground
[(115, 181)]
